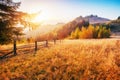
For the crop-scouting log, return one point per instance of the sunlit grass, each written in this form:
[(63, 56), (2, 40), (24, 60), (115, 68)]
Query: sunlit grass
[(70, 60)]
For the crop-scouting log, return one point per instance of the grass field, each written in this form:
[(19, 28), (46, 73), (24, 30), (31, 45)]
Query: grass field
[(70, 60)]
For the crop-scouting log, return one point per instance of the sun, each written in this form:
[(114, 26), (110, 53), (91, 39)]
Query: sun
[(41, 17)]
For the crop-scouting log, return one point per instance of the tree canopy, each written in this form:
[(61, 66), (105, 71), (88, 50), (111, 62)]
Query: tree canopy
[(119, 17), (9, 18)]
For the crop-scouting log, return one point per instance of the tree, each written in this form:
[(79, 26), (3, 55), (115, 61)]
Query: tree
[(100, 33), (83, 32), (8, 18), (119, 17), (89, 32), (75, 34), (72, 36), (95, 32)]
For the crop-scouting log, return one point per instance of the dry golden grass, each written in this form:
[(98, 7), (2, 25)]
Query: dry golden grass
[(70, 60)]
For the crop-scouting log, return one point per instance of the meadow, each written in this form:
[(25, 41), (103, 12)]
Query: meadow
[(89, 59)]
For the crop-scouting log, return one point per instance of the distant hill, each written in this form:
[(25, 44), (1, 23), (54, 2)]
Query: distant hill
[(93, 19)]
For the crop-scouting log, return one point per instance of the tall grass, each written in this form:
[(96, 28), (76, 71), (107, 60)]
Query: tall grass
[(70, 60)]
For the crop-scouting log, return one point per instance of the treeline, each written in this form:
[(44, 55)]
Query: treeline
[(114, 25), (90, 32)]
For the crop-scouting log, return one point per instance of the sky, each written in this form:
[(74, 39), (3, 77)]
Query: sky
[(57, 11)]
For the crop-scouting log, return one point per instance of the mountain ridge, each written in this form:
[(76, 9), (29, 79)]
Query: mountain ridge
[(92, 19)]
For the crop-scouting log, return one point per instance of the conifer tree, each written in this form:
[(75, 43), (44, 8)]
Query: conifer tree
[(8, 18)]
